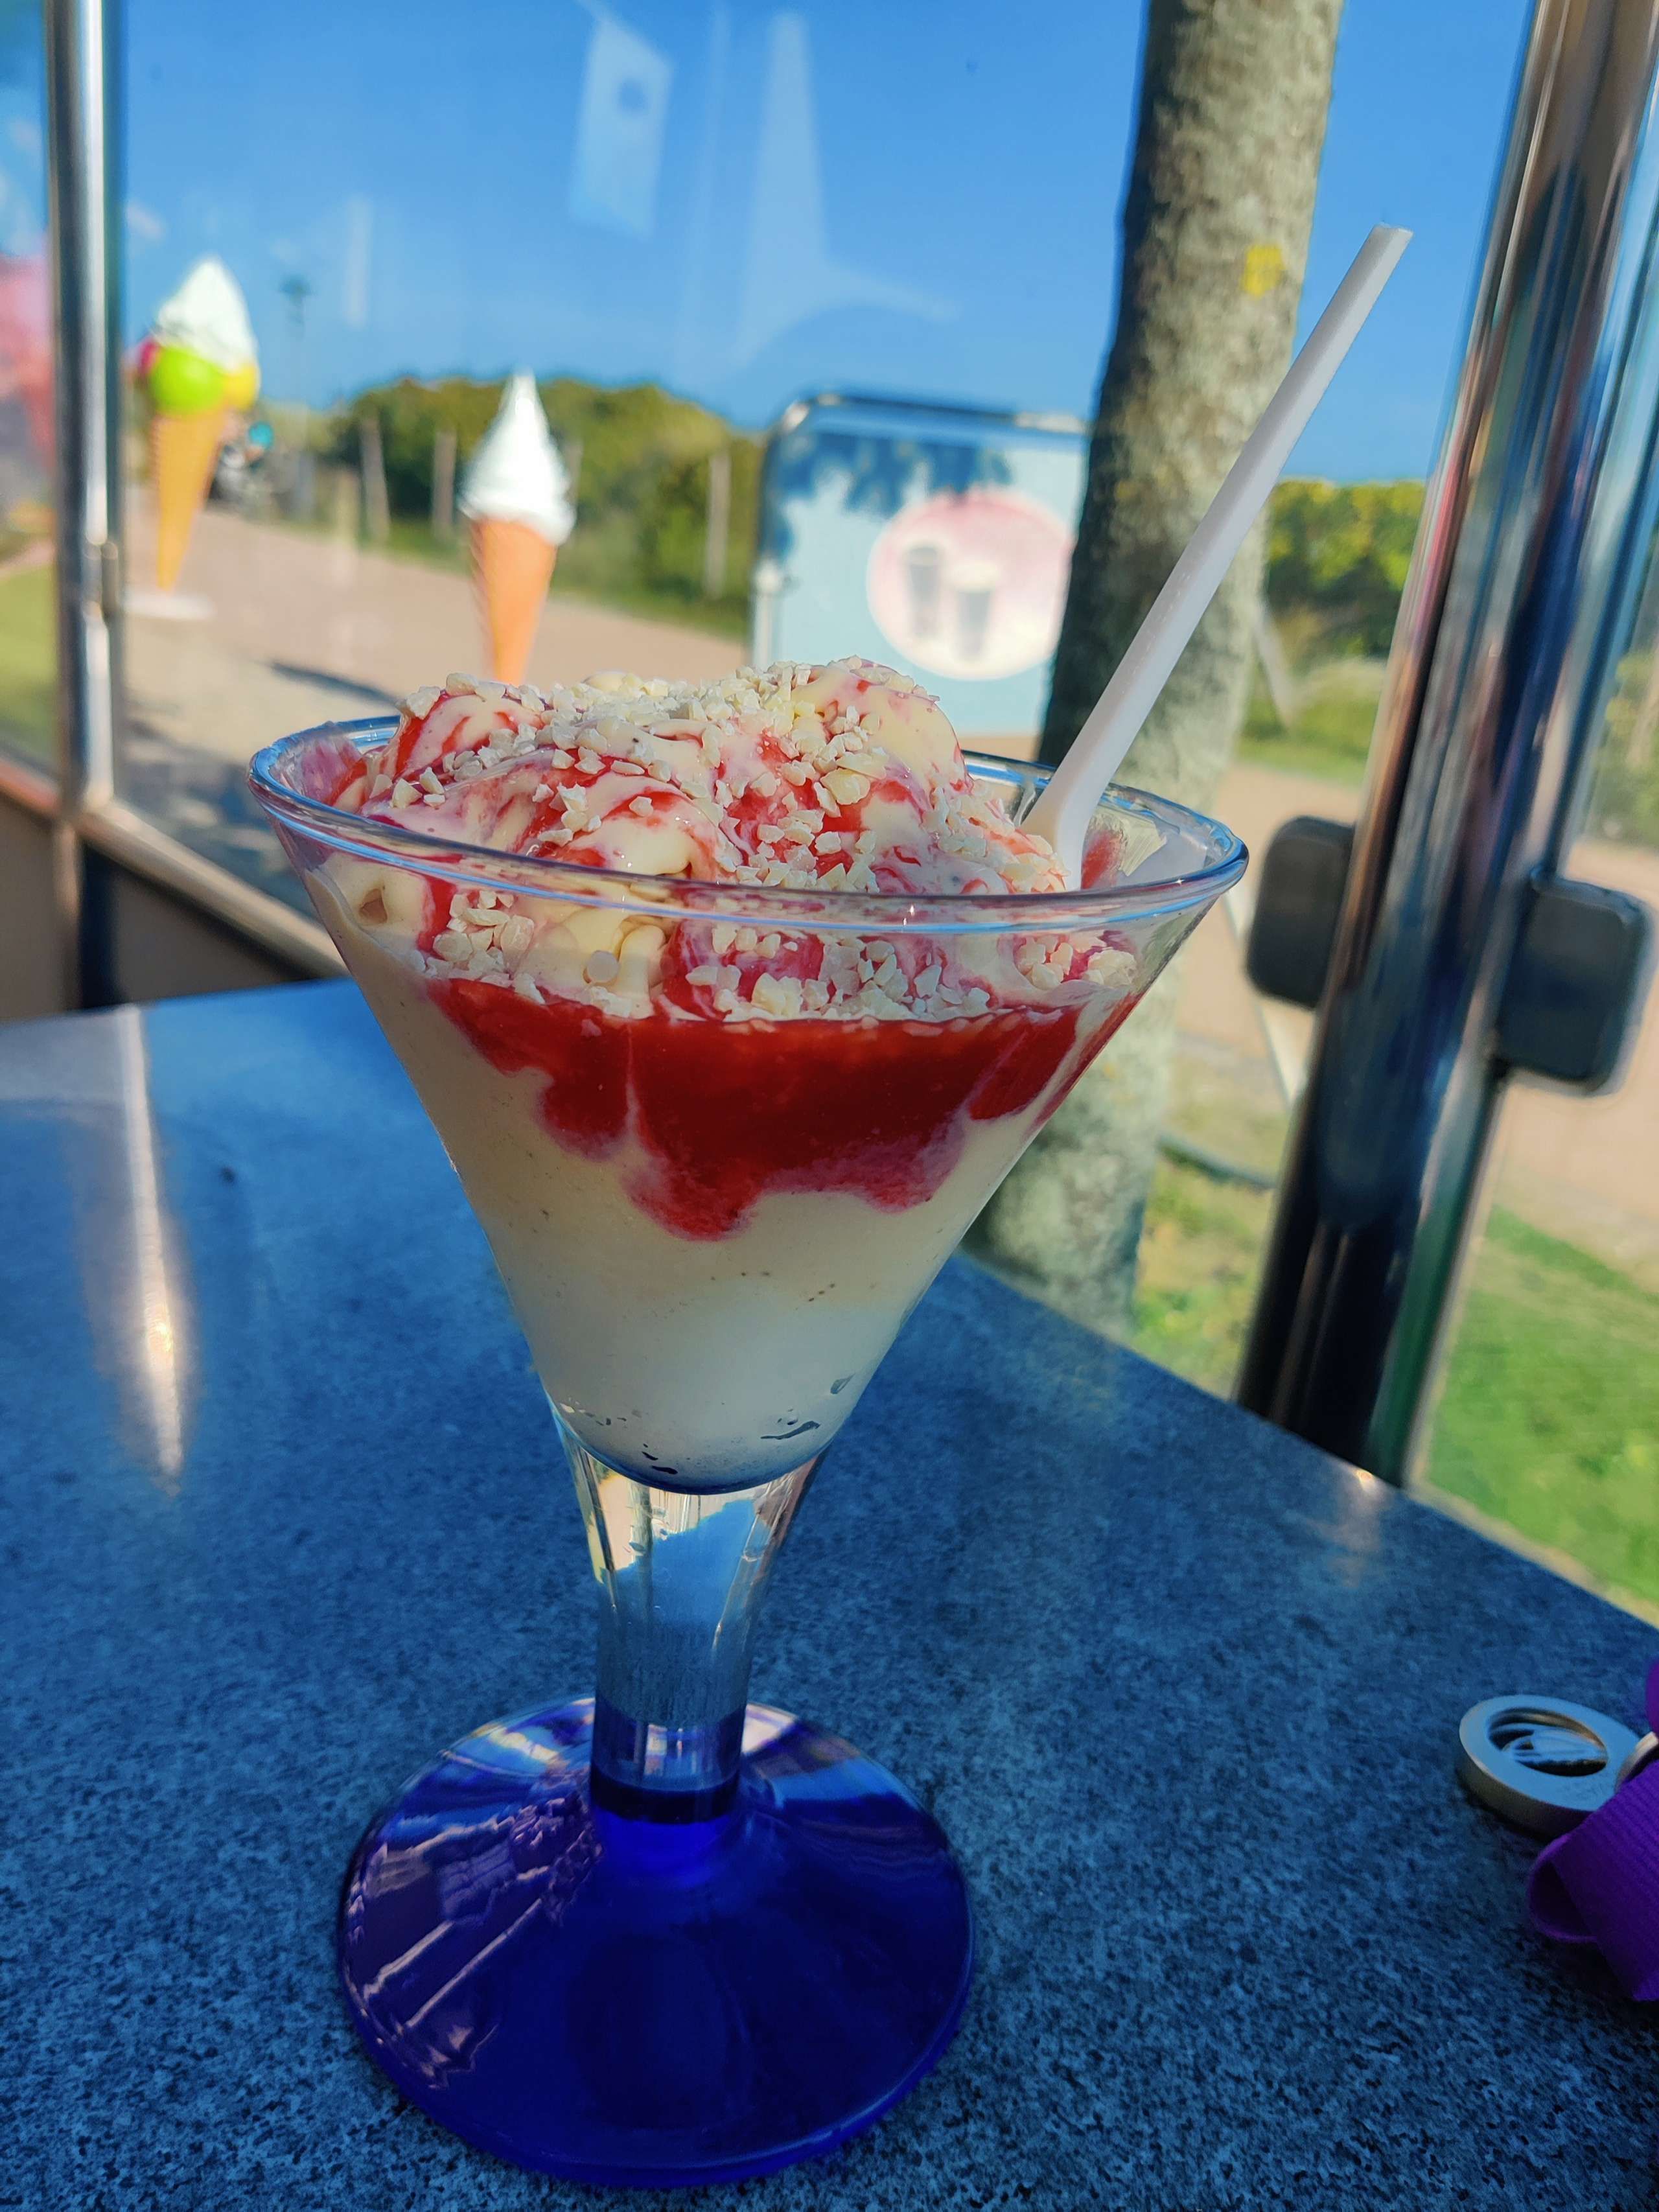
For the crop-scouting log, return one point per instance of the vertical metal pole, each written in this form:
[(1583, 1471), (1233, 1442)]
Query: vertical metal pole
[(81, 48), (1536, 536)]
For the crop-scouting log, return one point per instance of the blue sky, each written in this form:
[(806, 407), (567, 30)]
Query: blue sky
[(749, 201)]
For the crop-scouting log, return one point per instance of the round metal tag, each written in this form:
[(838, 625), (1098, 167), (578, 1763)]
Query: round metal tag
[(1541, 1763)]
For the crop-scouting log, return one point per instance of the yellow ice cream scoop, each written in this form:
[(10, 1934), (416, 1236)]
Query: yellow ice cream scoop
[(242, 387)]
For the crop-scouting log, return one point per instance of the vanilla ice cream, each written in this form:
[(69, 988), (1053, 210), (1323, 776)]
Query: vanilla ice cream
[(515, 474), (207, 315)]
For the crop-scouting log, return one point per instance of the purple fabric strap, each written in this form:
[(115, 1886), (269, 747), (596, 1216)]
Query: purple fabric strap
[(1600, 1883)]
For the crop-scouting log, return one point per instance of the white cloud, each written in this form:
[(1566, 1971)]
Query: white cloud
[(144, 223)]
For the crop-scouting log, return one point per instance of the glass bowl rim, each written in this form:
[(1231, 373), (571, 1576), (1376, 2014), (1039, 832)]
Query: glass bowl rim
[(454, 862)]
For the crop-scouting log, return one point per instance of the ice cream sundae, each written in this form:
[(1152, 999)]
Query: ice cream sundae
[(718, 1157)]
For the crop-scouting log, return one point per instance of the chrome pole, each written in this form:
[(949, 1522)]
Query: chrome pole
[(1535, 535), (82, 125)]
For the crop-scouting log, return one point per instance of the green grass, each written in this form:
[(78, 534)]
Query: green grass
[(1548, 1421), (28, 664), (1331, 734), (1200, 1254), (1550, 1417)]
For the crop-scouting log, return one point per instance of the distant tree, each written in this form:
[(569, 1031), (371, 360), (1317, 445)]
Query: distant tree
[(1234, 96)]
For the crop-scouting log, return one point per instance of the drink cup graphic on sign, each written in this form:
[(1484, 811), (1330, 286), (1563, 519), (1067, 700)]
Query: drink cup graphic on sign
[(974, 589), (923, 565), (971, 584)]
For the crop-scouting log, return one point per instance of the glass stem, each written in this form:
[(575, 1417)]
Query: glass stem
[(681, 1574)]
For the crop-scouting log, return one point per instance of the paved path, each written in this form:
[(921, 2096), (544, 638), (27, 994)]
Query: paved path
[(305, 627)]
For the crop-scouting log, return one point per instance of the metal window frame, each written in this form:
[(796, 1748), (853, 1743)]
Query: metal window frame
[(90, 824)]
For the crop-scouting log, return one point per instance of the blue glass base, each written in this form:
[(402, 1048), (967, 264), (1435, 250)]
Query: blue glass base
[(644, 2001)]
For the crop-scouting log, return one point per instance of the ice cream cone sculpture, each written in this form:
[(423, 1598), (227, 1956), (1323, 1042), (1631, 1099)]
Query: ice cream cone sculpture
[(199, 364), (516, 498), (511, 568), (183, 449)]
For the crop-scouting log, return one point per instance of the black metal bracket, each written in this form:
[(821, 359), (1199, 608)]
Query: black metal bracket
[(1299, 886), (1577, 985)]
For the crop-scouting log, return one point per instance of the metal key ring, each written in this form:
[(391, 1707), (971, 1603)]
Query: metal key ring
[(1543, 1764)]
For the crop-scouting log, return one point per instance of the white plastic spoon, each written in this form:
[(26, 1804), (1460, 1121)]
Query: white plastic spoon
[(1063, 812)]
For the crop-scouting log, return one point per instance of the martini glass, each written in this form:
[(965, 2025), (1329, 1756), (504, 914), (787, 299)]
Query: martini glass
[(662, 1935)]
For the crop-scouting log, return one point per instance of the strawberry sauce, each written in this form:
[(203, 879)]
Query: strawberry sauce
[(725, 1112)]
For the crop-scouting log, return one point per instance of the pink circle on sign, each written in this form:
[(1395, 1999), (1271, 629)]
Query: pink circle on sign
[(971, 584)]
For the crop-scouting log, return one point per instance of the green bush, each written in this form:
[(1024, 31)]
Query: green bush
[(1337, 558)]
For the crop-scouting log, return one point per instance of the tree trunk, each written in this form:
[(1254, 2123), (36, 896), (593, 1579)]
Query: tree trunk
[(1233, 101)]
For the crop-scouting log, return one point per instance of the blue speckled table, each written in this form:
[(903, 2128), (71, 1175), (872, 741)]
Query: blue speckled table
[(1183, 1693)]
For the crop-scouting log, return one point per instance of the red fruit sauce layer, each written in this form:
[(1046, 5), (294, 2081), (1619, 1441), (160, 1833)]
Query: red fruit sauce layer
[(727, 1111)]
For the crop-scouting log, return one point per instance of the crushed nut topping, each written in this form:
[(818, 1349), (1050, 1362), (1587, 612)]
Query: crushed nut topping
[(839, 777)]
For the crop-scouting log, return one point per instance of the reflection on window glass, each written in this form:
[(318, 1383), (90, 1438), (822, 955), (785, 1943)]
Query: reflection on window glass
[(702, 216), (28, 662)]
